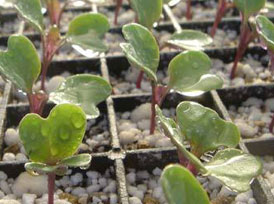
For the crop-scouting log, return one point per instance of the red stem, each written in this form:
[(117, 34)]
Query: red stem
[(117, 9), (182, 159), (153, 111), (245, 38), (222, 6), (192, 168), (271, 125), (139, 79), (51, 184), (188, 10), (271, 56)]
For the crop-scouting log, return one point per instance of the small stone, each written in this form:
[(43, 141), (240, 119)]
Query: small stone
[(8, 157), (9, 202), (54, 83), (11, 137), (247, 130), (131, 177), (76, 178), (113, 199), (28, 198), (134, 200), (141, 112)]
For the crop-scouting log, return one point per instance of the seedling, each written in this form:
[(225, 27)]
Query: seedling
[(205, 131), (247, 8), (85, 31), (265, 29), (188, 71), (52, 142)]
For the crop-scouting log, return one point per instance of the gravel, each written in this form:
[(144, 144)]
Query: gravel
[(91, 187), (253, 117)]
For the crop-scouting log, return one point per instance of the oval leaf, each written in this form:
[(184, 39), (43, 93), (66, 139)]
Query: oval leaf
[(31, 10), (57, 137), (204, 129), (79, 160), (85, 90), (20, 63), (148, 11), (181, 187), (188, 72), (142, 49), (266, 30), (234, 168), (87, 31), (190, 40), (249, 7), (35, 168)]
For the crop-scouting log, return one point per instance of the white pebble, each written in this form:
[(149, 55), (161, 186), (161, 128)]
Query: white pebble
[(135, 200), (141, 112), (8, 156), (54, 83), (78, 191), (11, 137), (28, 198), (76, 178)]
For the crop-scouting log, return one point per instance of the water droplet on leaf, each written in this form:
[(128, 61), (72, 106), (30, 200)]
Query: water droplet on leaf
[(53, 151), (64, 133), (45, 130), (77, 120)]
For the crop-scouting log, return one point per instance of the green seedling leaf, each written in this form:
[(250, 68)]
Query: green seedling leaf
[(80, 160), (85, 90), (266, 31), (204, 129), (269, 5), (20, 63), (35, 168), (181, 187), (142, 49), (249, 7), (55, 138), (234, 168), (189, 73), (190, 40), (171, 130), (87, 31), (148, 11), (31, 10)]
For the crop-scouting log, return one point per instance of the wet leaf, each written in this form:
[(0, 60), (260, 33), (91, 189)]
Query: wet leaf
[(20, 63), (35, 168), (234, 168), (85, 90), (52, 139), (31, 10), (80, 160), (204, 129), (266, 31), (181, 187), (141, 50), (87, 31), (148, 11), (190, 40), (189, 72), (249, 7)]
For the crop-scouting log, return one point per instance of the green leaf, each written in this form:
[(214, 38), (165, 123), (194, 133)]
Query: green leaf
[(87, 31), (142, 49), (79, 160), (234, 168), (85, 90), (20, 63), (35, 168), (190, 40), (181, 187), (52, 139), (249, 7), (188, 72), (148, 11), (204, 129), (265, 29), (170, 129), (31, 10)]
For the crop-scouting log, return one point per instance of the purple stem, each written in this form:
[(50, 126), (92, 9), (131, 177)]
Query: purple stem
[(117, 9), (51, 184), (188, 10), (153, 111), (271, 125), (220, 13), (245, 38), (139, 79)]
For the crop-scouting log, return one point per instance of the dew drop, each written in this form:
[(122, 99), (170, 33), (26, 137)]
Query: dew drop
[(53, 151), (45, 130), (64, 133), (77, 120)]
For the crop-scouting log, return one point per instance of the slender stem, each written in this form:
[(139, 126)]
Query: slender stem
[(139, 79), (153, 111), (182, 159), (163, 96), (271, 56), (271, 125), (245, 38), (51, 184), (188, 10), (192, 168), (222, 6), (117, 9)]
